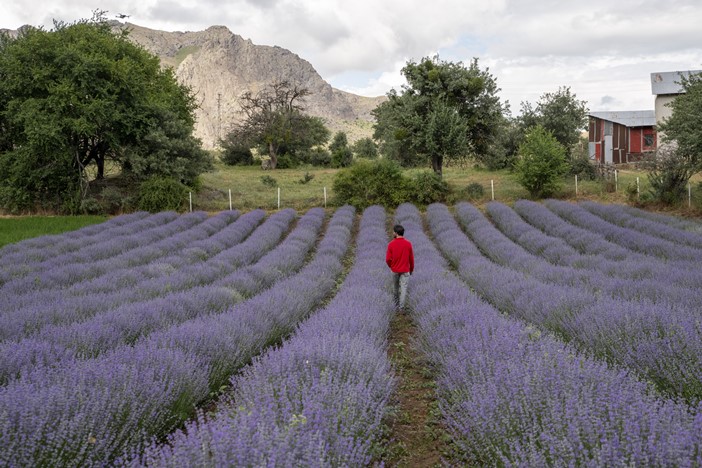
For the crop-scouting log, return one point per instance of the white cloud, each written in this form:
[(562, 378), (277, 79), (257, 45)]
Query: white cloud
[(603, 50)]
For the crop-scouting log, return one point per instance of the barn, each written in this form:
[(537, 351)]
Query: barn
[(621, 137)]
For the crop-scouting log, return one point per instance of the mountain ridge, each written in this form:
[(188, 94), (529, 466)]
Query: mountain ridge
[(219, 66)]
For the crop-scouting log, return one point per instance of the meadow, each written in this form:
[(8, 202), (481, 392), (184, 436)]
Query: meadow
[(552, 333), (250, 189)]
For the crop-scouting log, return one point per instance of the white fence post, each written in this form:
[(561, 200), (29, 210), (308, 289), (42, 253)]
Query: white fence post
[(230, 199), (492, 188), (689, 195), (278, 197), (616, 181), (576, 185), (191, 201), (638, 189), (325, 197)]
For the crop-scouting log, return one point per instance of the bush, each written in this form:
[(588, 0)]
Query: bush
[(112, 200), (365, 148), (542, 163), (317, 156), (90, 206), (583, 168), (366, 183), (428, 188), (669, 173), (162, 194), (237, 155), (306, 178), (286, 161), (269, 181), (474, 191), (342, 157)]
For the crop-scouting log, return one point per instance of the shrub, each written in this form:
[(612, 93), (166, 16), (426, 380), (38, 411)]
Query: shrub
[(669, 172), (91, 206), (286, 161), (317, 156), (306, 178), (162, 194), (474, 191), (542, 163), (366, 183), (342, 157), (583, 168), (269, 181), (341, 154), (428, 188), (237, 155), (365, 148)]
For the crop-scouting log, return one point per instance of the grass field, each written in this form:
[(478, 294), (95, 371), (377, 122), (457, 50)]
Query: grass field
[(16, 229), (303, 188), (249, 190)]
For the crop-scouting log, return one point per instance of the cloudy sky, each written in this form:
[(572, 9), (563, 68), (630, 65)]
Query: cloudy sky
[(604, 50)]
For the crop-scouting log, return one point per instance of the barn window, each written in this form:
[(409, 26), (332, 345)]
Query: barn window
[(648, 139), (608, 128)]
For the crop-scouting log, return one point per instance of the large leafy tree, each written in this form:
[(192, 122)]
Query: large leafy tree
[(446, 110), (80, 96), (680, 156), (559, 112), (274, 119)]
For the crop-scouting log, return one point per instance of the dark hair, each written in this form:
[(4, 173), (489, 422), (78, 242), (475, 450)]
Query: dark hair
[(399, 230)]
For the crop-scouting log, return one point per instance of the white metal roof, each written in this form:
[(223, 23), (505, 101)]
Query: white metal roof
[(669, 82), (644, 118)]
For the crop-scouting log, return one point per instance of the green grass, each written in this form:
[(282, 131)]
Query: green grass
[(249, 191), (17, 229)]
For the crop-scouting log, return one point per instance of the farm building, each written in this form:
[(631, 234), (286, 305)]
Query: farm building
[(621, 137), (665, 86)]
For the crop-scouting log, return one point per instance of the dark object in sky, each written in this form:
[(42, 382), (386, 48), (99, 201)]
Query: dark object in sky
[(121, 16)]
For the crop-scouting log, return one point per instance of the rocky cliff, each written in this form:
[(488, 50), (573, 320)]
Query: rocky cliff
[(220, 66)]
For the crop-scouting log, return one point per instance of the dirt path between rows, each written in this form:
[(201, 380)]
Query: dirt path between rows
[(417, 439)]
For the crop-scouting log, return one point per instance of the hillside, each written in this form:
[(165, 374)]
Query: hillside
[(220, 66)]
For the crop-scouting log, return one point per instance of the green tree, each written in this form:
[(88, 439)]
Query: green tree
[(365, 148), (684, 127), (274, 119), (446, 110), (79, 96), (542, 163), (560, 112), (341, 154)]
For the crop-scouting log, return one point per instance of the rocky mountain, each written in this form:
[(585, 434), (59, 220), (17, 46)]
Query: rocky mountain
[(220, 66)]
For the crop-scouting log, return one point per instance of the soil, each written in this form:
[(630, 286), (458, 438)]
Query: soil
[(417, 440)]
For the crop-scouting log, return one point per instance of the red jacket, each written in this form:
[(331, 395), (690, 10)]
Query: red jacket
[(400, 256)]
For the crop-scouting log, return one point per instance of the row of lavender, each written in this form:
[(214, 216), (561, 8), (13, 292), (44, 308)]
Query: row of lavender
[(35, 254), (543, 233), (88, 411), (113, 327), (34, 306), (319, 399), (661, 339), (513, 396)]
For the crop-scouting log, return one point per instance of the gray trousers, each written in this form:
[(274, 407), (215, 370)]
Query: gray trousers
[(400, 282)]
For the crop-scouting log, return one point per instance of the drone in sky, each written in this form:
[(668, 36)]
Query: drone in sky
[(121, 16)]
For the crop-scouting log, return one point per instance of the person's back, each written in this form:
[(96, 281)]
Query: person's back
[(400, 258)]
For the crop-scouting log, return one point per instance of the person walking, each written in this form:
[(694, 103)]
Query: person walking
[(400, 259)]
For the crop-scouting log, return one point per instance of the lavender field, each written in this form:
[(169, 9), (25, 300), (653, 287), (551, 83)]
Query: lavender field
[(556, 334)]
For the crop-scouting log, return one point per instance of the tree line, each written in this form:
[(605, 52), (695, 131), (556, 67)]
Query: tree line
[(82, 99)]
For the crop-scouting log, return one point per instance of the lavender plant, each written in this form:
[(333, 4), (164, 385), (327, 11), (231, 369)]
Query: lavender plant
[(513, 396), (318, 400), (102, 416)]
